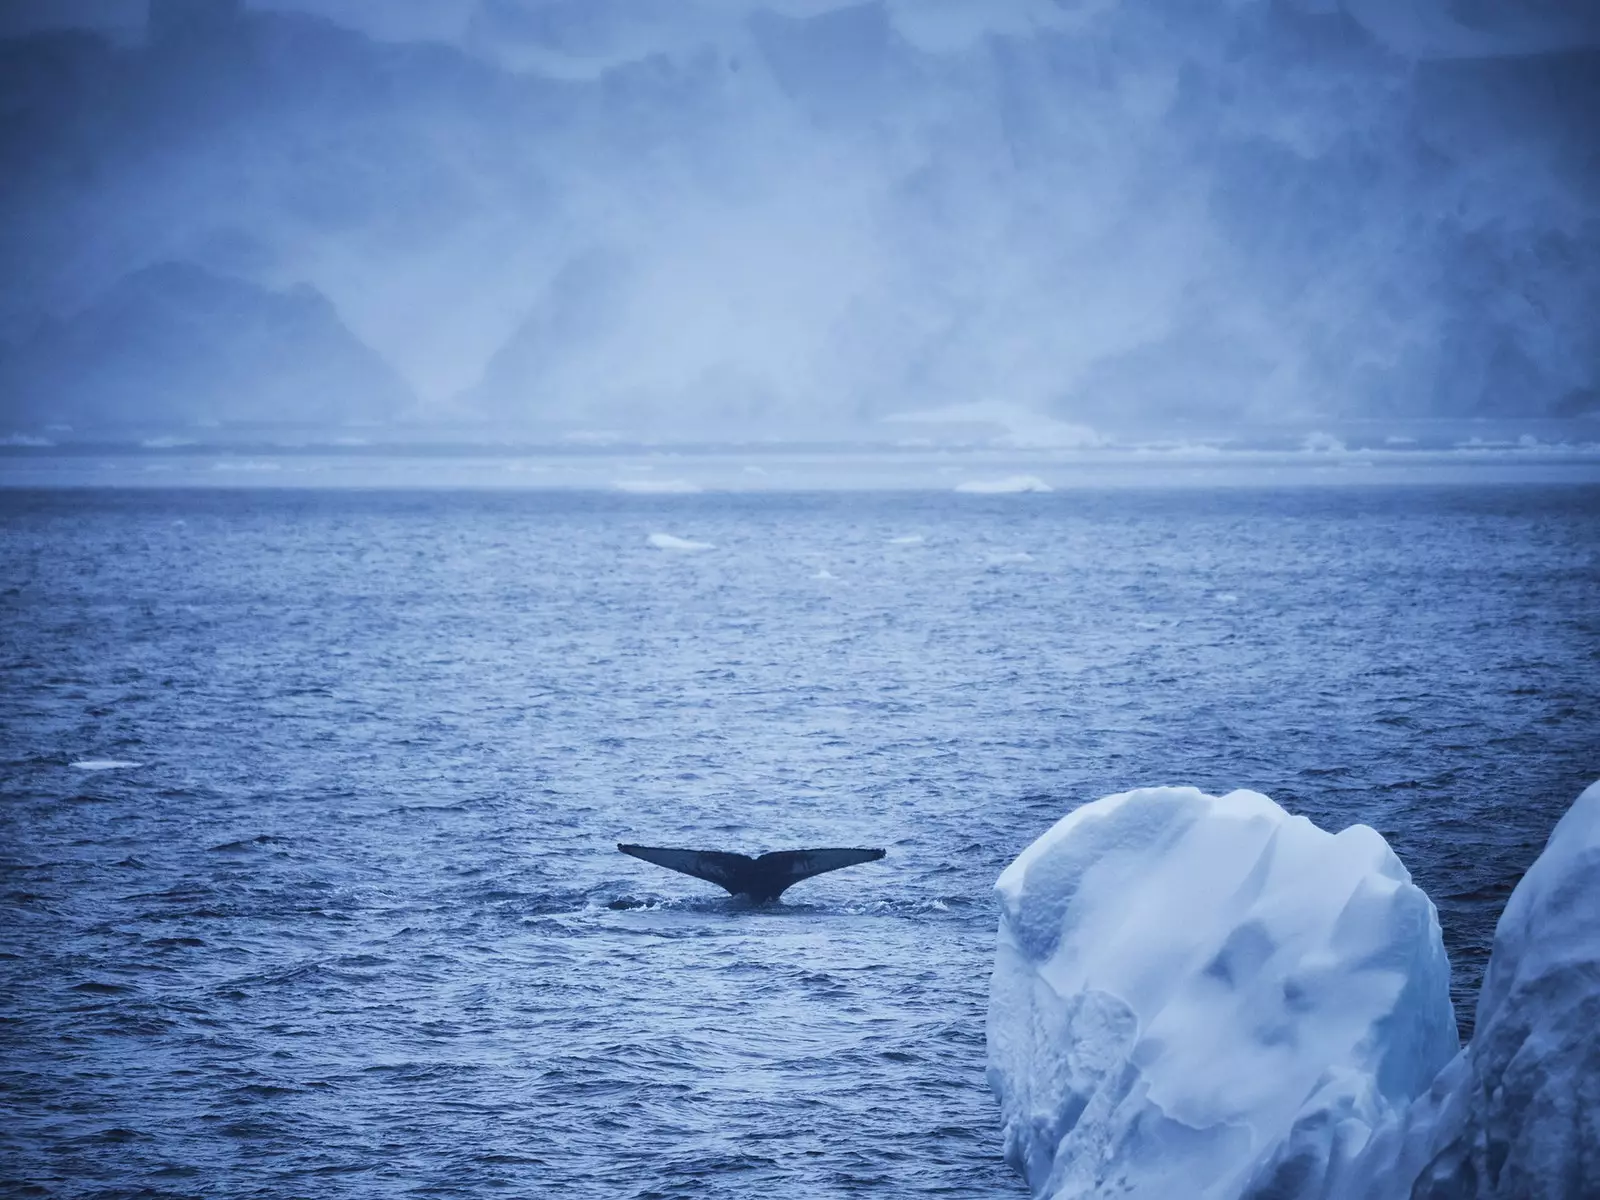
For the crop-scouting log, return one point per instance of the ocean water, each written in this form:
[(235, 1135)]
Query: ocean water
[(349, 919)]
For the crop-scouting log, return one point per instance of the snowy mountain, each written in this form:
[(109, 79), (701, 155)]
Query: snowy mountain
[(803, 215), (176, 345)]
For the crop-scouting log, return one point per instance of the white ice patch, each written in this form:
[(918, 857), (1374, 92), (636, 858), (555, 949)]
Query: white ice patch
[(1516, 1113), (104, 764), (1009, 485), (1194, 997), (910, 539), (666, 541), (657, 487)]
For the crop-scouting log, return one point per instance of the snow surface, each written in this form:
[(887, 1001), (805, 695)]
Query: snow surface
[(1516, 1113), (1203, 997)]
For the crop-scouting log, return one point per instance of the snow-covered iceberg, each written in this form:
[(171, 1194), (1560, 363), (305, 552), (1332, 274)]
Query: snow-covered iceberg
[(1516, 1113), (1204, 997)]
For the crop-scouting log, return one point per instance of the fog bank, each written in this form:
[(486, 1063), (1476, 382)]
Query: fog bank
[(798, 219)]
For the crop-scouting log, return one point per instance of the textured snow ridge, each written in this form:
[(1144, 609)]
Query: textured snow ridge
[(1204, 997), (1517, 1113)]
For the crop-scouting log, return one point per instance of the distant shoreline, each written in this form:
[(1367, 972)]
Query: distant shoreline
[(687, 470)]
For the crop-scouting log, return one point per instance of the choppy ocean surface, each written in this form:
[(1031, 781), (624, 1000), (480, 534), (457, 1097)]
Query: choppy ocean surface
[(354, 925)]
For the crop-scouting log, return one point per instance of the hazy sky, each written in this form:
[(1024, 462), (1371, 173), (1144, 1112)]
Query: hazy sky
[(800, 217)]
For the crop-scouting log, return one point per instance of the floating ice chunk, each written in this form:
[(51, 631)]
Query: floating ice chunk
[(824, 573), (1193, 995), (666, 541), (910, 539), (1009, 485), (657, 487), (1001, 558), (1516, 1113), (1322, 443), (104, 764)]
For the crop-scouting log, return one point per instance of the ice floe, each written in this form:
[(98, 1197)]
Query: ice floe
[(657, 487), (1011, 484), (667, 541), (104, 764)]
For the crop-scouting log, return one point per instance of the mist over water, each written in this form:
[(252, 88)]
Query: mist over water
[(1027, 221)]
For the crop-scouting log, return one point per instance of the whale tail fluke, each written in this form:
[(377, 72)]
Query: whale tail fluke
[(764, 878)]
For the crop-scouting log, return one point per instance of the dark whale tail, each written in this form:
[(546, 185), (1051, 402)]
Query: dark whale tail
[(764, 878)]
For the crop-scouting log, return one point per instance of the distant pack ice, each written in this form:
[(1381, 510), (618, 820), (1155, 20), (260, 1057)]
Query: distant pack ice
[(1202, 997)]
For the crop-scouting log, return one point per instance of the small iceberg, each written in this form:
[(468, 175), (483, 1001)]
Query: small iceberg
[(666, 541), (1010, 485), (1204, 998), (1190, 990), (104, 764)]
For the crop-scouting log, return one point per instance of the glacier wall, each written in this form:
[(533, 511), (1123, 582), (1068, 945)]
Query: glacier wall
[(799, 217), (1197, 996)]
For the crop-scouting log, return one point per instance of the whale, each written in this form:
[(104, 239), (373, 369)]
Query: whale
[(761, 879)]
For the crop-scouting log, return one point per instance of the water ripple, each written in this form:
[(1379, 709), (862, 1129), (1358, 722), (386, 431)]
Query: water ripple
[(356, 925)]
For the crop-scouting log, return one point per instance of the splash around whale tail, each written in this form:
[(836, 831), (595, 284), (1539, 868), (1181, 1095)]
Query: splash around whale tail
[(764, 878)]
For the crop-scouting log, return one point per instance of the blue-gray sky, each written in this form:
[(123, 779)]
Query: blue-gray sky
[(798, 217)]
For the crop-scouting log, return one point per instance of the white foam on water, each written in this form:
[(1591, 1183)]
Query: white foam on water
[(104, 764), (1010, 485), (667, 541)]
